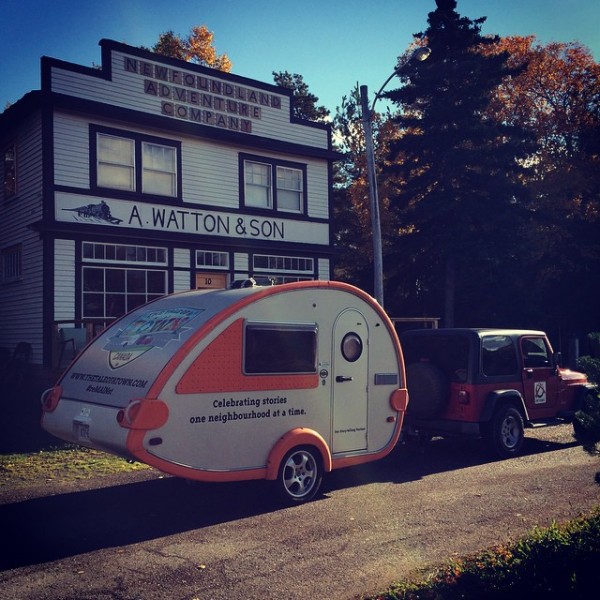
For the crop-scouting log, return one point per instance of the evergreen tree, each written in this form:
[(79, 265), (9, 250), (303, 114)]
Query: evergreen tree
[(304, 102), (459, 198)]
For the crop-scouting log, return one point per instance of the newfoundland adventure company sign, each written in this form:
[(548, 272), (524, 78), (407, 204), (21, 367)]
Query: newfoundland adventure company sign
[(192, 97)]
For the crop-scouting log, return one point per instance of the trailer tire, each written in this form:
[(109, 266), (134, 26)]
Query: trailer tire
[(505, 432), (300, 475), (428, 390)]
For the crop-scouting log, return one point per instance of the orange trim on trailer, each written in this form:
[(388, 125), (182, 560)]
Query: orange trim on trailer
[(135, 441), (351, 461), (226, 313), (222, 358), (292, 439), (399, 400), (144, 414)]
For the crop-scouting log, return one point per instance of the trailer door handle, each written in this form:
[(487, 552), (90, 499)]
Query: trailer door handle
[(342, 378)]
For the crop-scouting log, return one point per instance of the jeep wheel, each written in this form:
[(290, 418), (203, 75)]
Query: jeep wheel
[(428, 390), (504, 434)]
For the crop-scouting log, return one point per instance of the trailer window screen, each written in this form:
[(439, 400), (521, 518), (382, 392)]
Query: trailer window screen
[(270, 349)]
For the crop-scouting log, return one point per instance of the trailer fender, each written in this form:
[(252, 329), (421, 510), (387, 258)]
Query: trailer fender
[(499, 397), (300, 436)]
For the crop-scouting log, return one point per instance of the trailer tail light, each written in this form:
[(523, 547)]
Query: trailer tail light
[(464, 397), (143, 414), (50, 398)]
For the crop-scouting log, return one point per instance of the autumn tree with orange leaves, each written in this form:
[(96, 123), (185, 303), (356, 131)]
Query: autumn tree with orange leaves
[(197, 47), (557, 98), (552, 93)]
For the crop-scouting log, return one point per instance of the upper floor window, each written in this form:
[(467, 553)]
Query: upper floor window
[(135, 163), (9, 171), (270, 184)]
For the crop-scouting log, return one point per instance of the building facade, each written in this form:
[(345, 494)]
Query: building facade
[(148, 176)]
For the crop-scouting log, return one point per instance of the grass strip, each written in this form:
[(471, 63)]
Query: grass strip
[(561, 561), (62, 464)]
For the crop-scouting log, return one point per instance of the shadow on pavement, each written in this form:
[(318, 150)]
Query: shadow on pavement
[(54, 527)]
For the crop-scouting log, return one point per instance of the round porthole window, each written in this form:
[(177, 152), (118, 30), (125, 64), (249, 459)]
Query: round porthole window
[(352, 347)]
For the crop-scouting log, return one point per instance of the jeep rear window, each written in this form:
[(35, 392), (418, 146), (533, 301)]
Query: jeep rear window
[(450, 353), (498, 356)]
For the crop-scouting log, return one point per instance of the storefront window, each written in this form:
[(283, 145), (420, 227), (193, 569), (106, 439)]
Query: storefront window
[(111, 292)]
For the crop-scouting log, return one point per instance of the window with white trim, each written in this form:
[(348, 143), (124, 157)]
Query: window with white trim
[(116, 162), (92, 251), (289, 189), (111, 292), (216, 260), (11, 263), (290, 264), (135, 163), (258, 190), (159, 175), (273, 185)]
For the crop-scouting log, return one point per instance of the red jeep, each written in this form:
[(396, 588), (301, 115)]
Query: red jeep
[(487, 382)]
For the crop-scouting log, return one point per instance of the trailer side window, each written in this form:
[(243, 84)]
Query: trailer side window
[(270, 349)]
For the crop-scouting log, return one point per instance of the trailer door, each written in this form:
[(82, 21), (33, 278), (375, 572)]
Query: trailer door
[(350, 381)]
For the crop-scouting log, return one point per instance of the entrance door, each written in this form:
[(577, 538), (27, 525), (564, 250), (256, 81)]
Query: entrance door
[(350, 381)]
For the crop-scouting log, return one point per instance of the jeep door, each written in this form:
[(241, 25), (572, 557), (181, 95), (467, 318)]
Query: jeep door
[(540, 382)]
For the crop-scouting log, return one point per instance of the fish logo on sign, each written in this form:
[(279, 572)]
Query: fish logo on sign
[(152, 329), (540, 392)]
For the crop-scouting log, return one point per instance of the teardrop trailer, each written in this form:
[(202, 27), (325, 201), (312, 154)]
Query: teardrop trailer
[(282, 383)]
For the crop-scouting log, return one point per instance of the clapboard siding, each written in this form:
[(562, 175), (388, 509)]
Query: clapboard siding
[(210, 173), (71, 151), (181, 281), (210, 170), (323, 268), (20, 305), (240, 262), (181, 258), (126, 90), (64, 280)]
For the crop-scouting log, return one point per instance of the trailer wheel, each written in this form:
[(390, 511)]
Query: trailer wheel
[(300, 475), (505, 432), (428, 390)]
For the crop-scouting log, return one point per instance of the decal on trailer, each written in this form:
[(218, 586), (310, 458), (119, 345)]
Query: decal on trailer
[(152, 329)]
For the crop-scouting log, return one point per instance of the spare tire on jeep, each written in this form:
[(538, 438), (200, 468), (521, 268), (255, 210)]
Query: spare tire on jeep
[(428, 390)]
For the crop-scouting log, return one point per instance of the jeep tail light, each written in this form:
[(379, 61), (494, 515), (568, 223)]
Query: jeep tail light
[(463, 397)]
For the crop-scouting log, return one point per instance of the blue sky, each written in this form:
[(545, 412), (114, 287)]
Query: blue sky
[(333, 44)]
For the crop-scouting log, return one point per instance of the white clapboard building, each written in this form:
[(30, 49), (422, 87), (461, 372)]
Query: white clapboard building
[(147, 176)]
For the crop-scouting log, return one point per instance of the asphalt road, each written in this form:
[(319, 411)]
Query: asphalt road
[(143, 536)]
